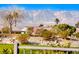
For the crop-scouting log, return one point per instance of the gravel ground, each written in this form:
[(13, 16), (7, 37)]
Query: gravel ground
[(39, 40)]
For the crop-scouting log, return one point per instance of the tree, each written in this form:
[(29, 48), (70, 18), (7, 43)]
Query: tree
[(46, 34), (63, 34), (5, 30), (71, 29), (12, 17), (57, 20), (54, 33), (77, 34), (23, 38), (55, 29), (64, 27)]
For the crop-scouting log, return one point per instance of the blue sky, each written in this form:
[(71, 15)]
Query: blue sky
[(45, 6)]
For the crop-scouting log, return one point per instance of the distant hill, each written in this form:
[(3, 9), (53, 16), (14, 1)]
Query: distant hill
[(35, 17)]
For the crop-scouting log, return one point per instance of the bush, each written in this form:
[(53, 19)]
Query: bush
[(5, 30), (63, 34), (46, 34), (76, 34), (23, 38)]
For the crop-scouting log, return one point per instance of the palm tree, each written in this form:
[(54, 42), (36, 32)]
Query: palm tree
[(12, 18), (57, 20), (15, 16), (9, 20)]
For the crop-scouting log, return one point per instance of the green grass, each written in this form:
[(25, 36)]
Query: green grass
[(8, 49)]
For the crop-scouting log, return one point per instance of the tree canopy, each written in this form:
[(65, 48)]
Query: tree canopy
[(64, 29), (57, 20), (46, 34)]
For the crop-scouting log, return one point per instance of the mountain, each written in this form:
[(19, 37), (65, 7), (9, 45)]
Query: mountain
[(69, 17), (36, 17)]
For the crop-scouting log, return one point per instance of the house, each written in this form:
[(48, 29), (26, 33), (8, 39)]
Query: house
[(37, 29)]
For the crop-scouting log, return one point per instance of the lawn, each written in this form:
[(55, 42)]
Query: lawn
[(8, 49)]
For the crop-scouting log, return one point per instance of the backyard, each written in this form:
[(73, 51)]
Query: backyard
[(38, 31), (9, 49)]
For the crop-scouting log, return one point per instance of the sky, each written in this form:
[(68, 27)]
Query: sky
[(46, 6)]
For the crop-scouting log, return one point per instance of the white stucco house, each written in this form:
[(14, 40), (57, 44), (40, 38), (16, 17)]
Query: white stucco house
[(24, 30)]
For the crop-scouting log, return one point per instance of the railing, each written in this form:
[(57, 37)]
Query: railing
[(17, 47)]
